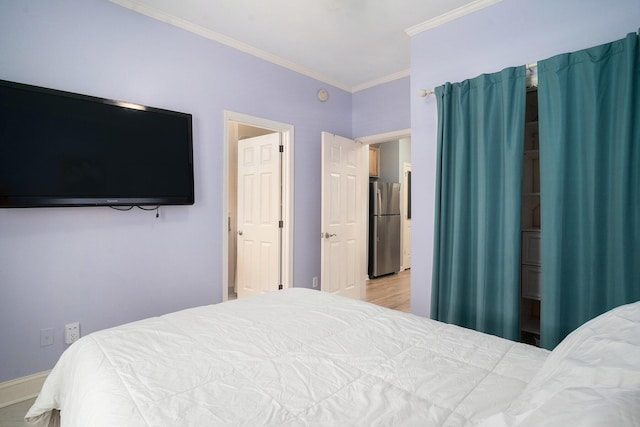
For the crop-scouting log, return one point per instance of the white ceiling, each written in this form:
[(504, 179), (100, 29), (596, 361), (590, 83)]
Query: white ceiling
[(351, 44)]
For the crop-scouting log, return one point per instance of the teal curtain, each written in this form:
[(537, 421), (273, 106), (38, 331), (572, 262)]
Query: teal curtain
[(476, 272), (589, 112)]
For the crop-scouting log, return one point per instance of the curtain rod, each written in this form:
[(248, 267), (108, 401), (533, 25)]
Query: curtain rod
[(426, 92)]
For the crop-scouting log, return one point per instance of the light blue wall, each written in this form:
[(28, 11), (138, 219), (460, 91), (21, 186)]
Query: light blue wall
[(510, 33), (389, 161), (393, 156), (103, 267), (405, 154), (381, 109)]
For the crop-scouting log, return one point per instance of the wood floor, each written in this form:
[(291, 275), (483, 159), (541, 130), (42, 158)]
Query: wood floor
[(392, 291)]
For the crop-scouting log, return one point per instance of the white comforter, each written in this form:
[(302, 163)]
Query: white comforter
[(291, 358)]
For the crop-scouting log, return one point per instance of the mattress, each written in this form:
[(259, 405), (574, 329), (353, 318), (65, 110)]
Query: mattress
[(296, 357)]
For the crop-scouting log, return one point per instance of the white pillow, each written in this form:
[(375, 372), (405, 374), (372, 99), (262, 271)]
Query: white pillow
[(592, 378)]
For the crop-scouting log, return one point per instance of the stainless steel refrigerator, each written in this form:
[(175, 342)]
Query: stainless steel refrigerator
[(384, 228)]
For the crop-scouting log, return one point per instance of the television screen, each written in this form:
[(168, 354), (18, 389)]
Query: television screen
[(64, 149)]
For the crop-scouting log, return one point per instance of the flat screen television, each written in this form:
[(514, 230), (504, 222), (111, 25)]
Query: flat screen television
[(65, 149)]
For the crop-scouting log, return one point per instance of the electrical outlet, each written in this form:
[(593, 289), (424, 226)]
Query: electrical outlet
[(71, 332), (46, 337), (315, 282)]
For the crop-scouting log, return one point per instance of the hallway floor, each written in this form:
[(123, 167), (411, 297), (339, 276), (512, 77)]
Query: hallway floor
[(392, 291)]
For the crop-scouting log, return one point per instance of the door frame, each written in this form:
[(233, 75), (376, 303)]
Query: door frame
[(286, 249), (406, 222), (385, 137), (377, 139)]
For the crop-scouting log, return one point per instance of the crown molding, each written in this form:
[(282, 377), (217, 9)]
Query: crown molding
[(450, 16), (382, 80), (167, 18)]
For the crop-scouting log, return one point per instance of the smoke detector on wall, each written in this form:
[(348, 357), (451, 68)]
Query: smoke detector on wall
[(323, 95)]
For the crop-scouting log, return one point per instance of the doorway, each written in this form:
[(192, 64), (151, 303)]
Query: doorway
[(395, 151), (344, 237), (237, 127)]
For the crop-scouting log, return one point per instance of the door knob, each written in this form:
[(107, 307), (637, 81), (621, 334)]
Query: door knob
[(239, 232), (327, 235)]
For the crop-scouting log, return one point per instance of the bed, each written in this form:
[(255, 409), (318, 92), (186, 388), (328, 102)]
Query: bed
[(301, 357)]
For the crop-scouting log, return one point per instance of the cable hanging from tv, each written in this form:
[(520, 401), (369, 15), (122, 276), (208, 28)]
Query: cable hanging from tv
[(128, 208), (157, 209)]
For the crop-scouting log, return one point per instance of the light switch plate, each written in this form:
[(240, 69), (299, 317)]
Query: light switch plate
[(46, 337)]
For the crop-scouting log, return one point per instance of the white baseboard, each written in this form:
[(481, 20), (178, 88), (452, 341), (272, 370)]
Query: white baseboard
[(21, 389)]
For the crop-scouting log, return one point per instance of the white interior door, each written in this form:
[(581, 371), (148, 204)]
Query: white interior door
[(344, 212), (259, 214)]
